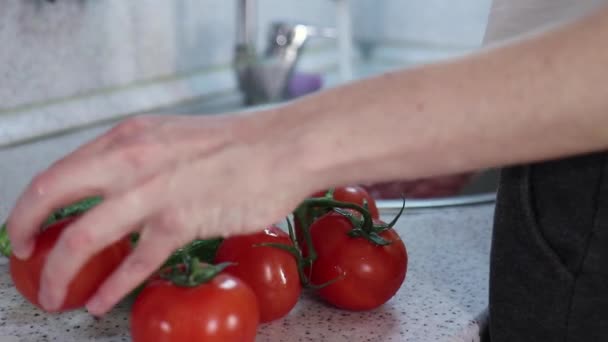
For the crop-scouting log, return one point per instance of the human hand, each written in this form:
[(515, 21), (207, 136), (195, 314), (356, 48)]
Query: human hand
[(171, 178)]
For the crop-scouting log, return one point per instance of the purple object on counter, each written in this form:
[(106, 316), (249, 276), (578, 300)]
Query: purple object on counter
[(302, 84)]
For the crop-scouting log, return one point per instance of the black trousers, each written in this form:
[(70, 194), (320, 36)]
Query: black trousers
[(549, 262)]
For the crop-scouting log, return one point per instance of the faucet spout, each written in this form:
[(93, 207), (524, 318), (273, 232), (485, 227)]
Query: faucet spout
[(246, 28), (265, 78)]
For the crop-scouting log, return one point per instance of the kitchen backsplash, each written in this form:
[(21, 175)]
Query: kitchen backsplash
[(67, 62)]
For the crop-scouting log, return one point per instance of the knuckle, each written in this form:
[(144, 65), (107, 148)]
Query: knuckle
[(138, 198), (172, 229), (40, 183), (219, 220), (130, 199)]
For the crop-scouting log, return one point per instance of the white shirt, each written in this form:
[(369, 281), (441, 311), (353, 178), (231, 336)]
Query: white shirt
[(511, 18)]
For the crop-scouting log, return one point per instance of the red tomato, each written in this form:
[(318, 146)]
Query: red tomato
[(272, 273), (26, 273), (350, 194), (222, 309), (368, 274), (353, 194)]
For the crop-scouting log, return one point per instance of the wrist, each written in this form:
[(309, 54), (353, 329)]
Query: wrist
[(297, 140)]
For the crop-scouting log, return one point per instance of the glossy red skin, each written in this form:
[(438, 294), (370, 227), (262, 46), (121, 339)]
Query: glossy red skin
[(26, 273), (372, 274), (354, 194), (223, 309), (272, 273), (350, 194)]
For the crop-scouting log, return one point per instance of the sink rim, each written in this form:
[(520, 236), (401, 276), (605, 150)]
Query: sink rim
[(389, 205)]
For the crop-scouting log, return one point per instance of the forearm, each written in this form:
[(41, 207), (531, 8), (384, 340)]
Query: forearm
[(543, 97)]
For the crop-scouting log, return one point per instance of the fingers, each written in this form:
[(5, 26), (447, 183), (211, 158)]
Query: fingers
[(153, 248), (62, 184), (128, 153), (110, 221), (75, 177)]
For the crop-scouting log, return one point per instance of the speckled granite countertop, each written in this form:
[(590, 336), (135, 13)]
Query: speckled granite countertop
[(442, 299)]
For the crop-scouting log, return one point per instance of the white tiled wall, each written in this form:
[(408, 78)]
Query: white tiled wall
[(74, 46), (434, 22), (67, 62)]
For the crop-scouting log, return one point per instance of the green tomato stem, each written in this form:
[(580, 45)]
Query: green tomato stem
[(77, 208), (5, 242), (328, 203), (302, 214), (301, 262), (195, 273), (396, 218)]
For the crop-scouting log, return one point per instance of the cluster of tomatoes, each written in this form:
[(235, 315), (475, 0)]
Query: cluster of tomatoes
[(339, 249)]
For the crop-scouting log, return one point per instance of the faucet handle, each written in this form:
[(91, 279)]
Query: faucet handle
[(284, 35), (321, 32)]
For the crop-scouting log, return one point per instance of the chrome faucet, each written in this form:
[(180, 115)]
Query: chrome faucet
[(265, 78)]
